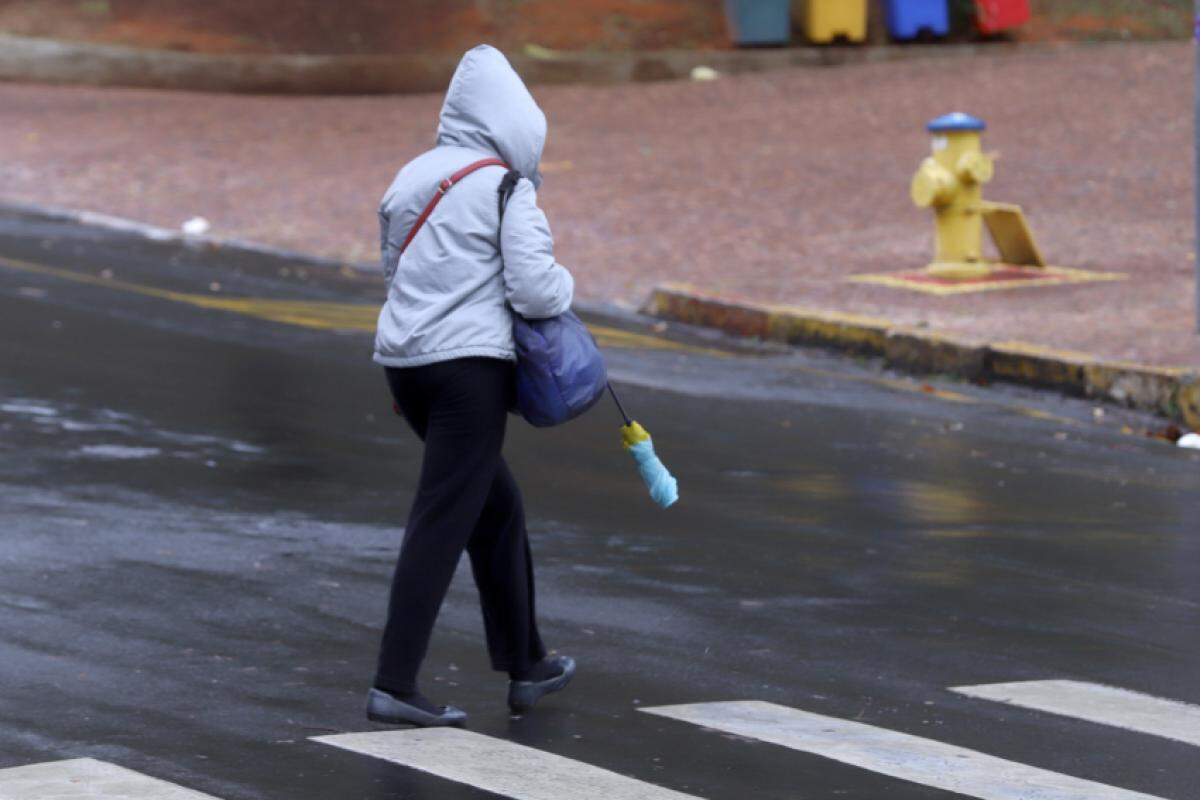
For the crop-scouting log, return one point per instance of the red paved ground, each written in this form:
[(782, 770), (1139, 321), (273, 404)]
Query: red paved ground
[(773, 187)]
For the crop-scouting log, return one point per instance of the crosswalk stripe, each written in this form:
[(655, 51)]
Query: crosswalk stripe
[(87, 779), (498, 766), (899, 755), (1094, 702)]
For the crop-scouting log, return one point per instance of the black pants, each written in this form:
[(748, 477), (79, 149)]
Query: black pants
[(467, 498)]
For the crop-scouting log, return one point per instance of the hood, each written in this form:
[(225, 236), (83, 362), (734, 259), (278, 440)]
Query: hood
[(488, 108)]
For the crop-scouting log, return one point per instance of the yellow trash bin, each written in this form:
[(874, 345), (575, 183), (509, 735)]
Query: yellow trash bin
[(825, 20)]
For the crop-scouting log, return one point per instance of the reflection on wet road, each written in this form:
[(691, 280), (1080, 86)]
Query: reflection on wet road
[(203, 491)]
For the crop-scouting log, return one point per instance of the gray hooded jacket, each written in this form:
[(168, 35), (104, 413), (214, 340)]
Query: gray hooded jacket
[(450, 293)]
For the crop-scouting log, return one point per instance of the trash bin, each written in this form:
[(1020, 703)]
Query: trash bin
[(825, 20), (994, 16), (907, 18), (754, 22)]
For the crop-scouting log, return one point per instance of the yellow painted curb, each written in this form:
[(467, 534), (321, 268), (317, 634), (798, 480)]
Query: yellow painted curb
[(1187, 401), (1032, 364), (1173, 392), (787, 324), (921, 350)]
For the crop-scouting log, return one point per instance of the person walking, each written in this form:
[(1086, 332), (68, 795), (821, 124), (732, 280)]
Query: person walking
[(445, 341)]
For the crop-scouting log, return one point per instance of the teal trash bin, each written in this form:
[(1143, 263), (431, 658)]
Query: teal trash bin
[(759, 22)]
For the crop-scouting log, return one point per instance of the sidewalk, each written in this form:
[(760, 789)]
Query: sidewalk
[(772, 188)]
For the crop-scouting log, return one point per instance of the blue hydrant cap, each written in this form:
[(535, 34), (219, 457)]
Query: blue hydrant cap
[(957, 121)]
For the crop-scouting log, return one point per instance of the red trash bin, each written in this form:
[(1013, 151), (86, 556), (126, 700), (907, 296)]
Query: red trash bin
[(999, 15)]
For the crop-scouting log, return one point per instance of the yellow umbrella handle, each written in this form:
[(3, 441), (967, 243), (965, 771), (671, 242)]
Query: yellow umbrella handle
[(632, 434)]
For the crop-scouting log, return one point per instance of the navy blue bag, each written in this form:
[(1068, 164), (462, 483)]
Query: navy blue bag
[(560, 372)]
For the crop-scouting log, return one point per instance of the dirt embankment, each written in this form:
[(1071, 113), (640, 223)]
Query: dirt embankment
[(451, 26), (371, 26)]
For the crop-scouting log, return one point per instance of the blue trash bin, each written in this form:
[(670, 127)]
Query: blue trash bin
[(907, 18), (759, 21)]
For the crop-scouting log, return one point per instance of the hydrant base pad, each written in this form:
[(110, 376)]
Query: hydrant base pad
[(1001, 276)]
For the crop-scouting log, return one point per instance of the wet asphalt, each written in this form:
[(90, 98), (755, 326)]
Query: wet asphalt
[(199, 511)]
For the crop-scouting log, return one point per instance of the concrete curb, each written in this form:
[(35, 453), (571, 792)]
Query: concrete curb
[(1171, 392), (37, 60)]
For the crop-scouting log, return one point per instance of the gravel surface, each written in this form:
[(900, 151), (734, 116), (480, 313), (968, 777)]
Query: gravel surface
[(772, 187)]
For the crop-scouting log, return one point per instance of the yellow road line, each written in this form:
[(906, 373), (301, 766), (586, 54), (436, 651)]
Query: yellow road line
[(925, 388), (309, 314), (615, 337), (317, 314)]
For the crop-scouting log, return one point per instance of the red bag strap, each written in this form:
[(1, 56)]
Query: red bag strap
[(444, 187)]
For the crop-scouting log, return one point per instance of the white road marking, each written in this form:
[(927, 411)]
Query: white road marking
[(498, 766), (1093, 702), (899, 755), (87, 779)]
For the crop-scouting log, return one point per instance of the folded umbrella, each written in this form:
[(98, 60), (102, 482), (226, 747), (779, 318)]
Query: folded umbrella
[(664, 489)]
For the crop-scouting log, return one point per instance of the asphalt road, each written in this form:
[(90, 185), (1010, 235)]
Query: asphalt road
[(201, 496)]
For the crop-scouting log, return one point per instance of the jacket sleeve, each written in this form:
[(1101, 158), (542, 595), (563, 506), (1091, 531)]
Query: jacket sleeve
[(536, 286)]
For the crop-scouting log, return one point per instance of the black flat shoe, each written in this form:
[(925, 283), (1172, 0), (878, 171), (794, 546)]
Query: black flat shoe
[(523, 694), (385, 708)]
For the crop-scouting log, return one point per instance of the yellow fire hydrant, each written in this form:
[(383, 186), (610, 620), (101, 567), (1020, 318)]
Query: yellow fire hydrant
[(951, 183)]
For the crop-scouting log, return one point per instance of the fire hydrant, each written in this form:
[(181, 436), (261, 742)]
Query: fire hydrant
[(951, 183)]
